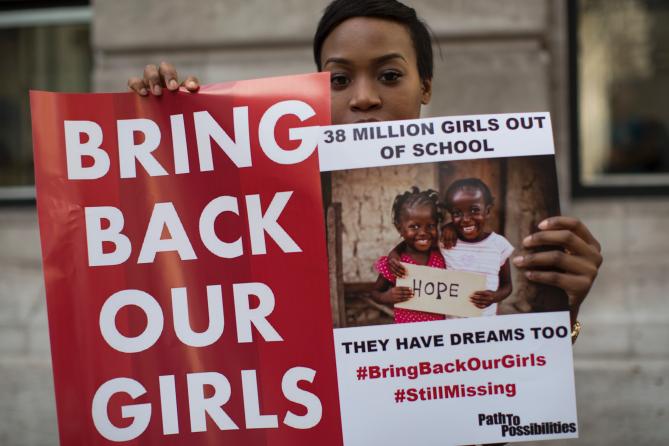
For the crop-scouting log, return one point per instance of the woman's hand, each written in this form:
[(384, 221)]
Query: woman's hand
[(162, 76), (574, 269)]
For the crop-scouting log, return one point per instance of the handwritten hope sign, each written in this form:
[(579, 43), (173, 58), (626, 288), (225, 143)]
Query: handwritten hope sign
[(441, 291)]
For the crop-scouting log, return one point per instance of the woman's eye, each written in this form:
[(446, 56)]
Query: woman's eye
[(390, 76), (339, 80), (476, 211)]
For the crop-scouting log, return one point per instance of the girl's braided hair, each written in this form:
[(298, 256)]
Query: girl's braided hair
[(414, 197)]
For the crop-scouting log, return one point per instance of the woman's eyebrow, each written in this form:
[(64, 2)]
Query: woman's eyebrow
[(387, 57), (375, 61), (337, 60)]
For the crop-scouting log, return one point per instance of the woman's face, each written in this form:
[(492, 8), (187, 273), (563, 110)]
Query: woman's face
[(374, 72)]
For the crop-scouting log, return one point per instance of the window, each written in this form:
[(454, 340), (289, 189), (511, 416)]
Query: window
[(620, 85), (43, 49)]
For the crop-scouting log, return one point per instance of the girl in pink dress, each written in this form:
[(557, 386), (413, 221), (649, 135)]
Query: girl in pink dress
[(416, 215)]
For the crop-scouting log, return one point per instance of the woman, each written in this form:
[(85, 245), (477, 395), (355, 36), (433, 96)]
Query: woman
[(380, 57)]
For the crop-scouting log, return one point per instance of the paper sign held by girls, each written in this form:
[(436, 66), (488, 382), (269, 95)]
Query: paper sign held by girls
[(441, 291), (468, 211), (169, 227)]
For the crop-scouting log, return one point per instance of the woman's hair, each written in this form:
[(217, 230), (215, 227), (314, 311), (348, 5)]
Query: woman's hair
[(341, 10), (416, 197), (469, 183)]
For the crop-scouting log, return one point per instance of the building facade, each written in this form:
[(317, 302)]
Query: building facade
[(491, 57)]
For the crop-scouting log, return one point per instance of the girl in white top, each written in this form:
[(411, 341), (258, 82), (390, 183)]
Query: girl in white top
[(469, 202)]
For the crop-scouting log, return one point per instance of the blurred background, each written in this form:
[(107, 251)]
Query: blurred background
[(601, 67)]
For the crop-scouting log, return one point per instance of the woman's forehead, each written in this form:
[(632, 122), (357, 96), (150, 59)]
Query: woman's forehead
[(367, 39)]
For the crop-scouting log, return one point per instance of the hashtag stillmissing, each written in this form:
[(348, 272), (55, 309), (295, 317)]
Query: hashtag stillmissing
[(457, 391)]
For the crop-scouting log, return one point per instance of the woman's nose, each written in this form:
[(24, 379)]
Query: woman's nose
[(364, 96)]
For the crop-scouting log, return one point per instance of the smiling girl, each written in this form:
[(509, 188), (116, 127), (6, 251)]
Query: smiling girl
[(469, 202), (416, 217)]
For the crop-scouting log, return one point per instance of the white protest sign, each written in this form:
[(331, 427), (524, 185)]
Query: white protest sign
[(390, 143), (459, 381), (441, 291)]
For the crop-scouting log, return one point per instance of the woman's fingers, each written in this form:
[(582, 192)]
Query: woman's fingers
[(137, 85), (192, 84), (573, 270), (556, 259), (168, 75), (573, 284), (152, 79), (571, 224), (157, 77), (566, 239)]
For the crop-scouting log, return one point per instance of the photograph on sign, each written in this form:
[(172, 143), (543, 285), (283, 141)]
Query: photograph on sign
[(451, 193)]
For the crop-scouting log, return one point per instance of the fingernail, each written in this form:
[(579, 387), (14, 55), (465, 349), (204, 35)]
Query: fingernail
[(143, 92), (518, 260), (191, 84), (528, 274), (157, 90), (173, 84), (527, 240), (543, 224)]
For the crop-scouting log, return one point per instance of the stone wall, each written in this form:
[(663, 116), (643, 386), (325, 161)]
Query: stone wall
[(27, 402), (621, 358)]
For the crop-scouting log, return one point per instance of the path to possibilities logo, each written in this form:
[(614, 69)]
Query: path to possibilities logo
[(511, 425)]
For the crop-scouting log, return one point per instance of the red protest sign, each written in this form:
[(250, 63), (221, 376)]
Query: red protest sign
[(185, 265)]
